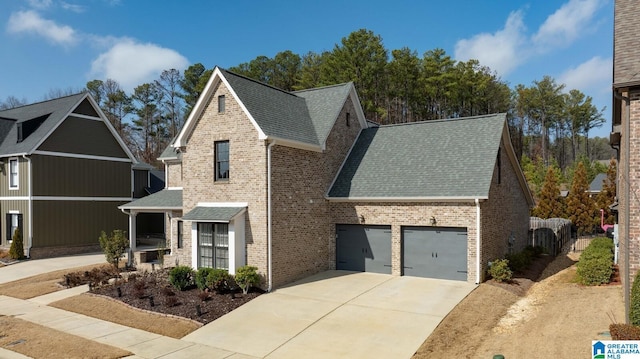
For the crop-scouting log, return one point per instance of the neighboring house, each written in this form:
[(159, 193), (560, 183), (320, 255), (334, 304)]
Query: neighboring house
[(296, 183), (63, 173), (625, 135), (596, 185)]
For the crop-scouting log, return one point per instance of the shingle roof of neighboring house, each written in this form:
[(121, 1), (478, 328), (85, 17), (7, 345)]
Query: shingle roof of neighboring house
[(165, 199), (39, 120), (302, 118), (444, 159), (218, 214), (54, 111), (597, 183)]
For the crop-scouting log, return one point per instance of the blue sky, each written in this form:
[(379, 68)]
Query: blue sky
[(52, 44)]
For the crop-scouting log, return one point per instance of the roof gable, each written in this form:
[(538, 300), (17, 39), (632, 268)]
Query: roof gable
[(300, 119), (432, 160)]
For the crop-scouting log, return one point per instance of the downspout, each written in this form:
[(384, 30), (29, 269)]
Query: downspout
[(30, 210), (626, 195), (269, 218), (478, 241)]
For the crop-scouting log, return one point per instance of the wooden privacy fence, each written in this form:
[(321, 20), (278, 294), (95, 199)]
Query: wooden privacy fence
[(553, 234)]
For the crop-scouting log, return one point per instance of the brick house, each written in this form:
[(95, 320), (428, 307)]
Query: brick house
[(63, 173), (296, 183), (625, 135)]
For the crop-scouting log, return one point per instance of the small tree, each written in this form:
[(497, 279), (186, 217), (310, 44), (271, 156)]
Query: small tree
[(580, 206), (16, 251), (607, 195), (247, 277), (550, 204), (114, 246)]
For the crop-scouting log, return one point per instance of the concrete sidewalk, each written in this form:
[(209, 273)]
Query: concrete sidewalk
[(33, 267), (337, 314)]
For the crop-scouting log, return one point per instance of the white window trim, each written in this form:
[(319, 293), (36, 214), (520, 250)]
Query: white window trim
[(17, 184)]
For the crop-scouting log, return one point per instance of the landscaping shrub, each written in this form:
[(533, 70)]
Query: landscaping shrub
[(596, 262), (114, 246), (180, 277), (519, 261), (624, 332), (499, 270), (634, 301), (16, 251), (246, 277), (219, 280), (201, 277)]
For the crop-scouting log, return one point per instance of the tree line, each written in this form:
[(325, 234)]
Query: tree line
[(546, 122)]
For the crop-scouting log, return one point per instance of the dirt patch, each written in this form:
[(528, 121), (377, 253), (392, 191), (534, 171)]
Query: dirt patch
[(152, 292), (118, 312), (42, 284), (550, 317), (37, 341)]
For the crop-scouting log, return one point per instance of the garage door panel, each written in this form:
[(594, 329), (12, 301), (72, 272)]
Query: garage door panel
[(363, 248), (435, 252)]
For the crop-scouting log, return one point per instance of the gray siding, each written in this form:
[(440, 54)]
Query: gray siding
[(76, 177), (82, 136), (74, 223), (85, 108), (140, 181)]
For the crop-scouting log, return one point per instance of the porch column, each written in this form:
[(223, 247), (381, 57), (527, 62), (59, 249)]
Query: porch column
[(132, 235)]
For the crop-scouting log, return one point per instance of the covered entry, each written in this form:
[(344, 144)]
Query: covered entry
[(435, 252), (363, 248)]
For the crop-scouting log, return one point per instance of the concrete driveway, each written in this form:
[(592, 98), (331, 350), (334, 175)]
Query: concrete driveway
[(33, 267), (337, 314)]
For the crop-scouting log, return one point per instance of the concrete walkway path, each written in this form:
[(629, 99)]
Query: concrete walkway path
[(33, 267)]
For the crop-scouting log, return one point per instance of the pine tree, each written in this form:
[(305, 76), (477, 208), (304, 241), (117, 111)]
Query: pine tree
[(16, 251), (550, 204), (580, 207), (607, 195)]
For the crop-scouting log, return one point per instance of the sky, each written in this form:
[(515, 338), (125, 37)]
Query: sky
[(49, 45)]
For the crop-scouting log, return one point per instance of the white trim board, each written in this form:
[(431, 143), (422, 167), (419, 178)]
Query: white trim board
[(82, 156)]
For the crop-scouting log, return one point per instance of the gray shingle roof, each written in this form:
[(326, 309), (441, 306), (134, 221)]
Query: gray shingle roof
[(452, 158), (213, 214), (324, 105), (54, 110), (165, 199), (598, 182)]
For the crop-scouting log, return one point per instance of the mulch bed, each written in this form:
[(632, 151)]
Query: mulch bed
[(522, 281), (153, 292)]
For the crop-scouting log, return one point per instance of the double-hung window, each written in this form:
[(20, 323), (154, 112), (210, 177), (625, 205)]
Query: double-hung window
[(13, 173), (14, 221), (213, 245), (221, 161)]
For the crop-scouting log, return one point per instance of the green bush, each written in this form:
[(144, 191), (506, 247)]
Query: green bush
[(519, 261), (180, 277), (596, 262), (247, 277), (114, 246), (634, 305), (201, 277), (499, 270), (16, 251), (219, 280)]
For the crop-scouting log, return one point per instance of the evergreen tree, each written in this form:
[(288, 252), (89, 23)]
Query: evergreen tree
[(607, 195), (580, 207), (16, 251), (550, 203)]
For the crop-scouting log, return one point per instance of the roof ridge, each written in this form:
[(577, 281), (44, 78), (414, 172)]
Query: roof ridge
[(41, 102), (323, 87), (258, 82), (442, 120)]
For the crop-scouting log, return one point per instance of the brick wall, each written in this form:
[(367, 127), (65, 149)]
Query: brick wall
[(174, 174), (505, 214), (633, 181), (247, 179), (302, 228)]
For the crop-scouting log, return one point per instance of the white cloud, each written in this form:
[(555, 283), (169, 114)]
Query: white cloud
[(565, 25), (31, 22), (594, 74), (40, 4), (131, 63), (72, 7), (501, 51)]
